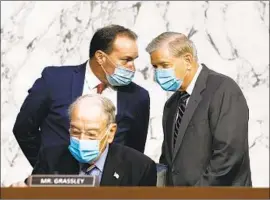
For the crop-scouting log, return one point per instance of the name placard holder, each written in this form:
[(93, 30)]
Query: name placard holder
[(62, 181)]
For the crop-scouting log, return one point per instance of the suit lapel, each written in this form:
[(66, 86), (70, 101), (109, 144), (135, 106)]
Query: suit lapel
[(78, 81), (168, 120), (114, 169), (121, 102), (67, 164), (193, 102), (122, 111)]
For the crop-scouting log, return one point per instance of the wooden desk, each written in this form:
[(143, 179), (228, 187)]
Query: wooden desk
[(134, 193)]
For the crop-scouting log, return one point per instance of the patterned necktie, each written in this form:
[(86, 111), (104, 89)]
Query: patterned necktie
[(100, 88), (93, 171), (88, 169), (180, 112)]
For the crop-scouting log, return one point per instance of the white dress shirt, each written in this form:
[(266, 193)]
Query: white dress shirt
[(191, 86), (91, 82)]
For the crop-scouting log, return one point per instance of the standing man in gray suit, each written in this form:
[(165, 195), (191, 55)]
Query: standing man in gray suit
[(205, 122)]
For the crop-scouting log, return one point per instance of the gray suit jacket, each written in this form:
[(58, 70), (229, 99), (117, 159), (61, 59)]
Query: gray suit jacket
[(212, 144)]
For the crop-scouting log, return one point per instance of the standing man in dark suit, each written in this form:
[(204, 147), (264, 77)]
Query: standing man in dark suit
[(205, 122), (43, 120), (92, 129)]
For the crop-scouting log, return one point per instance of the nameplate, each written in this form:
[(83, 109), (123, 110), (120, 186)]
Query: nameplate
[(62, 181)]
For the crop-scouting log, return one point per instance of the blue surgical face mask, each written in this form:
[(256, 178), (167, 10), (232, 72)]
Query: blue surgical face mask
[(85, 151), (121, 76), (167, 80)]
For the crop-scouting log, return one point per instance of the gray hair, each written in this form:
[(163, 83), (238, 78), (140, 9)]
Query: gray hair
[(107, 106), (177, 43)]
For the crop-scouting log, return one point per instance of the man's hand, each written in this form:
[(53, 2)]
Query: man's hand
[(19, 184)]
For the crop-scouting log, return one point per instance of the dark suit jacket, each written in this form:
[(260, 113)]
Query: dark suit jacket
[(133, 167), (43, 119), (212, 143)]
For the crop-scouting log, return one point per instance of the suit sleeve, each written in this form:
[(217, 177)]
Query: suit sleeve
[(140, 127), (144, 122), (229, 125), (149, 177), (162, 159), (40, 167), (31, 115)]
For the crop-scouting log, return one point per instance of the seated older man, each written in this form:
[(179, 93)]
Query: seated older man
[(91, 151)]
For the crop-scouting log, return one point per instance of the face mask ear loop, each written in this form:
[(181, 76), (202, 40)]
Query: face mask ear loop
[(106, 134), (109, 60), (115, 65)]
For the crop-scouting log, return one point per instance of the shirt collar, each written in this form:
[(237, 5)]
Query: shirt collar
[(91, 80), (192, 84), (98, 164), (101, 161)]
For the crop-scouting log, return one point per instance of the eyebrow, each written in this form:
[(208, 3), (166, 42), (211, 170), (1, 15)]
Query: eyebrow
[(88, 129), (130, 57), (161, 63), (92, 129)]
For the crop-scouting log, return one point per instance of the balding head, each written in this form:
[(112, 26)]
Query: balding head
[(92, 106)]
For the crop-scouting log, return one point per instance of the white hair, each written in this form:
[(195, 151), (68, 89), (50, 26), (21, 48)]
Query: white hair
[(177, 43), (107, 106)]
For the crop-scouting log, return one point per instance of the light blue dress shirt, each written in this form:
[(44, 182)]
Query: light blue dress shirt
[(98, 167)]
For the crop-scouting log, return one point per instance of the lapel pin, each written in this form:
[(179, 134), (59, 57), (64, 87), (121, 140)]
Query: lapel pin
[(116, 175)]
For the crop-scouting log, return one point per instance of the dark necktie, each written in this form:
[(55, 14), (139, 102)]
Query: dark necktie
[(180, 112)]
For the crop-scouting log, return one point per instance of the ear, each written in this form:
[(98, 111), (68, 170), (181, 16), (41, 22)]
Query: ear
[(188, 59), (100, 58), (112, 131)]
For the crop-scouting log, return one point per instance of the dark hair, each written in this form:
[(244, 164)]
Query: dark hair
[(104, 37)]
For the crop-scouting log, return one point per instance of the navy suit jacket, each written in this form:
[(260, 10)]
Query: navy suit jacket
[(43, 119), (133, 167)]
